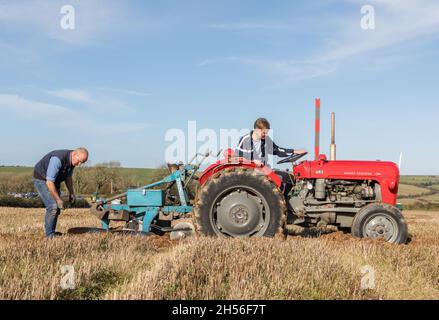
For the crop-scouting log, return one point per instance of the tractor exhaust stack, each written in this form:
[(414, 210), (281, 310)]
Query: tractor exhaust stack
[(332, 147), (317, 130)]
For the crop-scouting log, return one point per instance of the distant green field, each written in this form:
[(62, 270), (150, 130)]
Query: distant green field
[(414, 191), (431, 198), (146, 172), (409, 185), (420, 180), (140, 173), (407, 190), (19, 176), (15, 170)]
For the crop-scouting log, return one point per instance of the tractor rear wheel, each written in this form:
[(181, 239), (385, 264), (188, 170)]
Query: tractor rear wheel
[(240, 203), (380, 221)]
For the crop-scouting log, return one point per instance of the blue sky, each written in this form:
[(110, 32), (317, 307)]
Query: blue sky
[(131, 70)]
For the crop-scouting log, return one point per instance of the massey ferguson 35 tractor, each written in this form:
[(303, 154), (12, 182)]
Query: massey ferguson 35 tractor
[(236, 198)]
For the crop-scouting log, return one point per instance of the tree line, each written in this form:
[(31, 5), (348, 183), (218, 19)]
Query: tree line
[(103, 178)]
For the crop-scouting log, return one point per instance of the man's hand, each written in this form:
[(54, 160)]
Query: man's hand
[(72, 198), (299, 151), (258, 163), (54, 192), (60, 204)]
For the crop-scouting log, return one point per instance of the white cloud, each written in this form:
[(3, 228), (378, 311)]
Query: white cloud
[(251, 26), (73, 95), (288, 69), (93, 18), (28, 109), (125, 91), (96, 101), (398, 22), (57, 116)]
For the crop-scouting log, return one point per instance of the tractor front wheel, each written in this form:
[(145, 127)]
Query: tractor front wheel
[(240, 203), (380, 221)]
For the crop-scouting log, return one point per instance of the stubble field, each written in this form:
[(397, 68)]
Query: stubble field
[(305, 265)]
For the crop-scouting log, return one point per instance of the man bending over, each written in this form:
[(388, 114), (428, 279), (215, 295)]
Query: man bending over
[(56, 167)]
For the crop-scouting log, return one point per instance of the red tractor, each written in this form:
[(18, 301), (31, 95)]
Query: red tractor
[(239, 199)]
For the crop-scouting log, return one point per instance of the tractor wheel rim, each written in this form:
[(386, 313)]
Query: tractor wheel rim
[(240, 212), (381, 226)]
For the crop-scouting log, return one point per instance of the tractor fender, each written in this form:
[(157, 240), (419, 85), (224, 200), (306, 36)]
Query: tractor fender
[(226, 164)]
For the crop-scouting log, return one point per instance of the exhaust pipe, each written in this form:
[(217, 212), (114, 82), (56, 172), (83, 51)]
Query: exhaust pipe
[(317, 131), (332, 147)]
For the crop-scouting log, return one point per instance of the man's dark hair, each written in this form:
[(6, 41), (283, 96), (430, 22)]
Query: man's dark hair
[(262, 123)]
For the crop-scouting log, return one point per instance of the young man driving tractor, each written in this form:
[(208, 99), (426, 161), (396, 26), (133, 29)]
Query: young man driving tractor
[(257, 145)]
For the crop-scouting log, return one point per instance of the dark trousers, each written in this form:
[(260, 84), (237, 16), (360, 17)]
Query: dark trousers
[(287, 181), (52, 211)]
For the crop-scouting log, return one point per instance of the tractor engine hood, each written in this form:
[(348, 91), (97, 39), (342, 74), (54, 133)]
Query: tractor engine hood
[(347, 169), (384, 172)]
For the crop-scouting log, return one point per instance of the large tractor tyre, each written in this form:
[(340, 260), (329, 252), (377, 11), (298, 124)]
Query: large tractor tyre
[(240, 203), (380, 221)]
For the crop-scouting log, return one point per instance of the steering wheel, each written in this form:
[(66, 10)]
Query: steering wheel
[(293, 158)]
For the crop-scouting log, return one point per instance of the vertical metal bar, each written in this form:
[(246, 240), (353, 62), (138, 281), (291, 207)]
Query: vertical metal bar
[(181, 192), (332, 148), (317, 130), (332, 128)]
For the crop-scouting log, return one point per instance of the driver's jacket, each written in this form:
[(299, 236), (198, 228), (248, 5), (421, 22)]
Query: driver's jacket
[(258, 150)]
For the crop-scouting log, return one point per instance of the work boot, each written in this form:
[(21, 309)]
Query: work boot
[(53, 235)]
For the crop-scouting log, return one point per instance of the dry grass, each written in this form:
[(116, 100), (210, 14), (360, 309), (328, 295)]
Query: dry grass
[(120, 266)]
